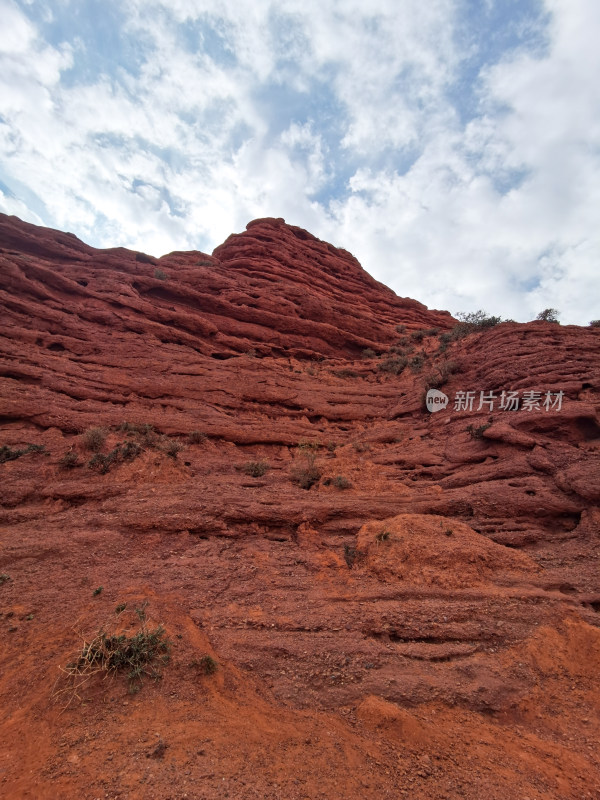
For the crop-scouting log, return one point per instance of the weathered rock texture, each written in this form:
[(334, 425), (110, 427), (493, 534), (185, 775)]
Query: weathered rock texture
[(421, 622)]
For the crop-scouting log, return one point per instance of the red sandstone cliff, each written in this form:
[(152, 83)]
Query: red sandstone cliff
[(421, 622)]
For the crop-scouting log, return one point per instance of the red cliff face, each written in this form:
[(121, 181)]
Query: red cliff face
[(400, 604)]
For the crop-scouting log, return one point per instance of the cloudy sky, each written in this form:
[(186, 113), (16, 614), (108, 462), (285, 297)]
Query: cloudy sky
[(452, 145)]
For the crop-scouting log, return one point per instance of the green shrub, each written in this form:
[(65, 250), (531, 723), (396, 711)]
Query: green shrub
[(136, 651), (143, 258), (595, 323), (69, 460), (360, 447), (309, 445), (393, 365), (94, 439), (131, 655), (346, 373), (417, 362), (131, 450), (478, 319), (548, 315), (445, 339), (7, 454), (172, 447), (476, 432), (306, 474), (349, 555), (472, 322), (305, 477), (124, 451), (256, 469), (103, 462), (441, 375), (342, 483), (206, 665), (36, 448)]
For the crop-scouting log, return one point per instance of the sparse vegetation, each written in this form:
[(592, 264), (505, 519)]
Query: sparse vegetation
[(4, 578), (306, 477), (478, 319), (441, 375), (131, 428), (8, 454), (368, 353), (470, 322), (144, 259), (595, 323), (306, 474), (418, 336), (393, 365), (401, 328), (382, 536), (160, 275), (346, 373), (341, 483), (69, 460), (309, 445), (172, 447), (256, 469), (349, 555), (104, 461), (445, 339), (476, 432), (98, 591), (130, 450), (361, 447), (206, 665), (145, 436), (196, 437), (94, 439), (136, 656), (417, 362), (548, 315)]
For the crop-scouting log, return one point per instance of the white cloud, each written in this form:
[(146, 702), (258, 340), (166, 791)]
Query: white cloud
[(339, 116)]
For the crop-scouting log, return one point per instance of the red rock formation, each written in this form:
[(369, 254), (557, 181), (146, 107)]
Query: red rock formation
[(420, 622)]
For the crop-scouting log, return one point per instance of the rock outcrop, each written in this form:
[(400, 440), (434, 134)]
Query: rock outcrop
[(401, 604)]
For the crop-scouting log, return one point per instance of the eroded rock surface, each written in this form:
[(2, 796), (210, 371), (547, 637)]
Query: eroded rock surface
[(401, 604)]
